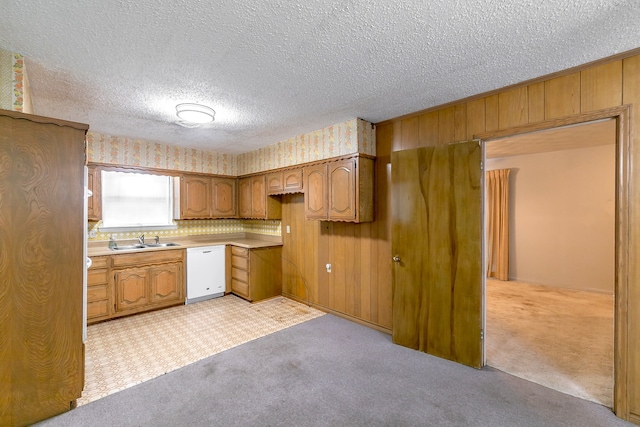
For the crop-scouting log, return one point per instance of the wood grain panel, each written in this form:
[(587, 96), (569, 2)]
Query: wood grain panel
[(437, 300), (562, 96), (631, 95), (446, 125), (513, 108), (41, 285), (460, 122), (536, 98), (475, 118), (601, 87), (492, 121), (429, 129), (410, 133)]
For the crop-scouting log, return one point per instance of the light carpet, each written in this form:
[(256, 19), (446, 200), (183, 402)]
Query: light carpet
[(559, 338), (124, 352)]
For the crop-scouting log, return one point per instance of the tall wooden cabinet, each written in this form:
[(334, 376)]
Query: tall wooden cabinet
[(42, 264)]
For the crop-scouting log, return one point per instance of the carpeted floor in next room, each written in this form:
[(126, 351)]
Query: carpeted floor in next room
[(560, 338), (329, 371)]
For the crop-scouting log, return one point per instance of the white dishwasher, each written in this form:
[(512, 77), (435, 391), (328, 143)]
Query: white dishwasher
[(205, 273)]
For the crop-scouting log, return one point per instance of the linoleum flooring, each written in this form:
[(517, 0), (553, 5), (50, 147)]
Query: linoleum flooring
[(123, 352)]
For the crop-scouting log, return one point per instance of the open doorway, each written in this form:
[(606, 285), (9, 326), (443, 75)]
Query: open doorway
[(552, 322)]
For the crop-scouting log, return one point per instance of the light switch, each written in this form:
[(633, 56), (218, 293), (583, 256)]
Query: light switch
[(288, 229)]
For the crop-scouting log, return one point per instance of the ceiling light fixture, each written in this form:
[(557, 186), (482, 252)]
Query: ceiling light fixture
[(195, 113)]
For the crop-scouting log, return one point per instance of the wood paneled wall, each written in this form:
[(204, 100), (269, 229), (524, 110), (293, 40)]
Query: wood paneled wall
[(606, 85), (360, 284)]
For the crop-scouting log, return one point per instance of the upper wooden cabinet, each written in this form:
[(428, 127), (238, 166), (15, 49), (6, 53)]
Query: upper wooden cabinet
[(203, 197), (195, 197), (94, 203), (284, 182), (224, 198), (253, 201), (340, 190)]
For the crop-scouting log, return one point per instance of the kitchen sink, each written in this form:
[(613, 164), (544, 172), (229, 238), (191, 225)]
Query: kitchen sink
[(140, 246)]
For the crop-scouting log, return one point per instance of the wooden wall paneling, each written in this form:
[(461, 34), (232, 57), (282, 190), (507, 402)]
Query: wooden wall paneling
[(475, 118), (535, 96), (562, 96), (631, 95), (460, 122), (513, 108), (410, 132), (491, 113), (397, 135), (429, 129), (365, 274), (324, 278), (446, 126), (601, 87)]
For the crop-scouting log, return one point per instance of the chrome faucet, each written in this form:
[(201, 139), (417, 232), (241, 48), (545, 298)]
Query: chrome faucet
[(141, 239), (157, 239)]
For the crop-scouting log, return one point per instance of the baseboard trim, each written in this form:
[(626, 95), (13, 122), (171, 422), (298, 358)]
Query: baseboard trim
[(337, 313)]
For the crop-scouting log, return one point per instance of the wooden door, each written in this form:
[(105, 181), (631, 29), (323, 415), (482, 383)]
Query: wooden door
[(315, 192), (244, 198), (437, 248), (166, 283), (258, 197), (131, 288), (224, 203), (195, 198), (341, 186)]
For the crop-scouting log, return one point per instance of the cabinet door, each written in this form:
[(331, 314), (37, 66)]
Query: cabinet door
[(94, 203), (195, 197), (131, 288), (258, 197), (292, 180), (274, 183), (166, 283), (342, 185), (225, 203), (315, 187), (244, 198)]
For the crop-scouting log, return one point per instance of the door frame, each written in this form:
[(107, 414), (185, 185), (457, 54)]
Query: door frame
[(624, 175)]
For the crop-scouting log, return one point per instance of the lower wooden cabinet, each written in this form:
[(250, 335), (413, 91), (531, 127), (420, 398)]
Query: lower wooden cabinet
[(256, 273), (130, 283)]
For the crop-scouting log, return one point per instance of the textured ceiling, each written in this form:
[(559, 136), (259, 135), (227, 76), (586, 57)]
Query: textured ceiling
[(276, 69)]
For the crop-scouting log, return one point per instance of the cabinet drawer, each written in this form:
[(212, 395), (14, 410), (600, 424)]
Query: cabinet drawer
[(237, 250), (99, 262), (95, 293), (240, 262), (238, 274), (241, 288), (96, 276), (97, 309)]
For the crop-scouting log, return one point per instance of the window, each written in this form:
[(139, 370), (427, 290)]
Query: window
[(135, 200)]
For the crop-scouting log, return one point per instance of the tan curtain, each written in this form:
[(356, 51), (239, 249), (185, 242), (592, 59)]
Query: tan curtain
[(498, 224)]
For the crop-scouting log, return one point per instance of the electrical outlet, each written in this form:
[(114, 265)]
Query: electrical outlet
[(93, 233), (328, 268), (288, 229)]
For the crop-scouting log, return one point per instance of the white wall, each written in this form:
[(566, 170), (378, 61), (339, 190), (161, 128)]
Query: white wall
[(563, 217)]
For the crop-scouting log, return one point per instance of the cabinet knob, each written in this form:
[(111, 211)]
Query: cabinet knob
[(396, 258)]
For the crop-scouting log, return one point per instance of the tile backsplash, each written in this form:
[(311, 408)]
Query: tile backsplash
[(194, 228)]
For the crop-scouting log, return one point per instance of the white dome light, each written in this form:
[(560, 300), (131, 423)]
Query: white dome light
[(195, 113)]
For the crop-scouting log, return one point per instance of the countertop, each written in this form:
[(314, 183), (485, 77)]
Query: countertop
[(245, 240)]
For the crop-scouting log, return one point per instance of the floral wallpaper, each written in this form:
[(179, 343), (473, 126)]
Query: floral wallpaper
[(11, 80), (124, 151), (350, 137)]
